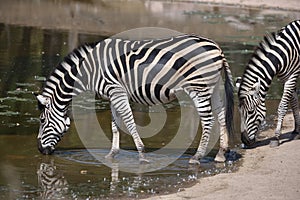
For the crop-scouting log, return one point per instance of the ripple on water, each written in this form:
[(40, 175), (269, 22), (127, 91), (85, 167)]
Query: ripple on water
[(169, 179)]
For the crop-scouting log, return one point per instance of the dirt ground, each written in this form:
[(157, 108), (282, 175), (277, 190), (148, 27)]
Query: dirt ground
[(266, 173)]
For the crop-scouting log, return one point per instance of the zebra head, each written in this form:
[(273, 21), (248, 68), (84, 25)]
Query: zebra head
[(253, 111), (53, 125)]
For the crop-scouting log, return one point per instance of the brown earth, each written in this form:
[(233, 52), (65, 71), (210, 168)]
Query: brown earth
[(266, 173)]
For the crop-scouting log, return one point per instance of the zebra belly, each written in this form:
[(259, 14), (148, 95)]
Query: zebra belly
[(150, 98)]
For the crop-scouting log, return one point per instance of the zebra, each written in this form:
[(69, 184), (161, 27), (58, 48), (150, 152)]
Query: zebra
[(52, 182), (148, 72), (278, 54)]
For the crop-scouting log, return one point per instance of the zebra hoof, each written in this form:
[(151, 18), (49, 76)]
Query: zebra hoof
[(220, 157), (274, 143), (144, 161), (194, 161), (111, 155)]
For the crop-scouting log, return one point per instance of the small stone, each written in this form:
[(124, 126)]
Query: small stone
[(230, 162), (274, 143)]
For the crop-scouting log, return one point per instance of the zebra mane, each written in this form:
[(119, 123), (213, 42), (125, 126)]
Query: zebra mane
[(71, 63), (268, 41), (79, 54)]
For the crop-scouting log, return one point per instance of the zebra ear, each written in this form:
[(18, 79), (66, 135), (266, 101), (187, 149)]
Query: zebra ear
[(254, 90), (67, 123), (238, 83), (43, 100), (256, 86)]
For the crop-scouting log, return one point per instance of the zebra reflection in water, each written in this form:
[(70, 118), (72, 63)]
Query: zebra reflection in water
[(52, 182)]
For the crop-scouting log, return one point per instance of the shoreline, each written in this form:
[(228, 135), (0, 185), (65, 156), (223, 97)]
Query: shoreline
[(265, 173), (289, 5)]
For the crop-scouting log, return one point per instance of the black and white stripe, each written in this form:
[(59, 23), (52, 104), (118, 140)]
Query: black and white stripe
[(277, 55), (52, 183), (147, 72)]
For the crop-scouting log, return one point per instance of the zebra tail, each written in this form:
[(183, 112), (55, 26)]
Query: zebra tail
[(229, 95)]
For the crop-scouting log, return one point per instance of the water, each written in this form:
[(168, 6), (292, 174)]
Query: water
[(31, 46)]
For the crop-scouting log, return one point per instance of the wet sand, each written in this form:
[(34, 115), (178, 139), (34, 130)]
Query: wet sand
[(266, 173)]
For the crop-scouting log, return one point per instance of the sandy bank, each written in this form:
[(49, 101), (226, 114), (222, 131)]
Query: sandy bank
[(266, 173)]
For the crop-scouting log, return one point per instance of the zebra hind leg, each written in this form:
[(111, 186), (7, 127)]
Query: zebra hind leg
[(220, 157), (218, 107), (203, 106)]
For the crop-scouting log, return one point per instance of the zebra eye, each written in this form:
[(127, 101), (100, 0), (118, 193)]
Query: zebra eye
[(42, 120), (250, 112)]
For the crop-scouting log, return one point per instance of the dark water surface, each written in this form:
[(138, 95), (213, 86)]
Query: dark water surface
[(29, 52)]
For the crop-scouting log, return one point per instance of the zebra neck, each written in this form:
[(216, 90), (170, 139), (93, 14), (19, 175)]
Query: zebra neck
[(69, 79), (254, 75)]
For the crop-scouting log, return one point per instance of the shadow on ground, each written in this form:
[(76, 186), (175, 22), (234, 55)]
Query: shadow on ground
[(286, 137)]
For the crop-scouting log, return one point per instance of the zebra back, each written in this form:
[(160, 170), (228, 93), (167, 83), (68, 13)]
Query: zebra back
[(276, 55)]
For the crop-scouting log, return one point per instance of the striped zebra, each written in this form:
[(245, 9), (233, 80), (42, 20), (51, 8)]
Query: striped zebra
[(147, 72), (277, 55), (53, 184)]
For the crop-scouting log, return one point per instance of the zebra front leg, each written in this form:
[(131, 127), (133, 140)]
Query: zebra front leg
[(295, 108), (115, 141), (119, 102), (289, 88)]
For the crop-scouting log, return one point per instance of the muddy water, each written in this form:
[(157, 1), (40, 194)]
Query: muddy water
[(29, 51)]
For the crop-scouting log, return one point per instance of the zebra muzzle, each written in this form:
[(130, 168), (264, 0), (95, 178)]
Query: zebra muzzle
[(246, 140), (45, 150)]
